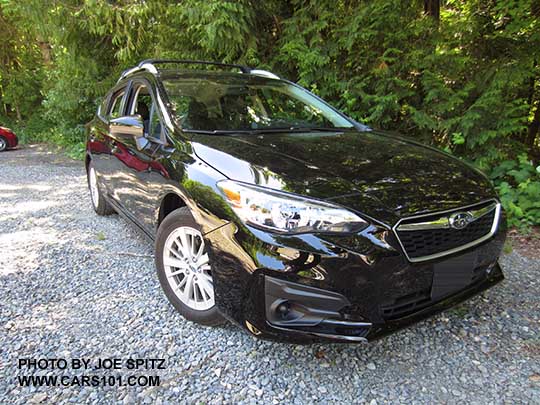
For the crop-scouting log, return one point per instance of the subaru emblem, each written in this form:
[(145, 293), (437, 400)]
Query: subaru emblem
[(460, 220)]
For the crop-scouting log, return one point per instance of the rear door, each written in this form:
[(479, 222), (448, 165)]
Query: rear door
[(100, 143)]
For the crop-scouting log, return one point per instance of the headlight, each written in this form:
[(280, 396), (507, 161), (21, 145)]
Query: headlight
[(282, 212)]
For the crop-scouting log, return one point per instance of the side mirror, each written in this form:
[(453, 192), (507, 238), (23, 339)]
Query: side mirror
[(130, 126)]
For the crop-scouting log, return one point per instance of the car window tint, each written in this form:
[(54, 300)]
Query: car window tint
[(116, 105), (180, 106), (282, 106), (143, 104), (155, 123), (102, 107), (230, 103)]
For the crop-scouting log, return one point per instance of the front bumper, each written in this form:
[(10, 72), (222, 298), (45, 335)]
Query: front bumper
[(495, 277), (12, 140), (306, 289)]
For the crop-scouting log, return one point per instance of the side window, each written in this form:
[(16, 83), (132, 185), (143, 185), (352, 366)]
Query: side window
[(115, 106), (102, 107), (155, 123), (142, 103)]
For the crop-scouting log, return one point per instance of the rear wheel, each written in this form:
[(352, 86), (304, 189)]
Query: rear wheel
[(3, 144), (184, 269), (101, 206)]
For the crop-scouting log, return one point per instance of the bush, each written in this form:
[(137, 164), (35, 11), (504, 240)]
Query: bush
[(518, 184)]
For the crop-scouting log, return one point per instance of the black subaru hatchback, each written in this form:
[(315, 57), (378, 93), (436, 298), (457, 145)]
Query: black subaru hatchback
[(272, 209)]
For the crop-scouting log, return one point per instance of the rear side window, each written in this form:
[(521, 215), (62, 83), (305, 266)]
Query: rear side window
[(116, 105)]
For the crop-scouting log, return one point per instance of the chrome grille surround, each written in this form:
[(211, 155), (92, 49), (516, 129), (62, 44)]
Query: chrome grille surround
[(443, 222)]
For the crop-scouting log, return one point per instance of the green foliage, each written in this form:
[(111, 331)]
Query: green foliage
[(518, 184), (468, 83), (20, 67)]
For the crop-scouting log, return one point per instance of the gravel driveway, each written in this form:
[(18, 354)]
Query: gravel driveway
[(75, 285)]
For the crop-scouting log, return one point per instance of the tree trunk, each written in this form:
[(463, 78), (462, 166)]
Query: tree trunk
[(45, 48), (532, 134), (433, 9), (535, 8), (533, 129)]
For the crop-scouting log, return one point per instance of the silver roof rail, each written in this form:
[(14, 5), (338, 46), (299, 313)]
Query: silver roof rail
[(141, 66), (150, 66), (263, 73)]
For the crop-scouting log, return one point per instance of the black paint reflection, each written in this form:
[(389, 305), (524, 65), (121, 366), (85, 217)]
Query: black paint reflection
[(380, 175)]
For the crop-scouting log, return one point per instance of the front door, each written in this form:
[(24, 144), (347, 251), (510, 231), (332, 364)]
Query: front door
[(142, 172)]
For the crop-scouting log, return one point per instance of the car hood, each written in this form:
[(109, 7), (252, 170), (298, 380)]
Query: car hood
[(376, 173)]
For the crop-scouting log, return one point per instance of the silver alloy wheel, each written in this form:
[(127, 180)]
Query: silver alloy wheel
[(187, 269), (94, 191), (3, 144)]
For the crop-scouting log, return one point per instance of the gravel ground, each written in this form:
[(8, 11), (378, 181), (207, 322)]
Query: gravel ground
[(75, 285)]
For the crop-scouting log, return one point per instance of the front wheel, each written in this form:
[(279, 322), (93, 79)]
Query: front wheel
[(184, 268)]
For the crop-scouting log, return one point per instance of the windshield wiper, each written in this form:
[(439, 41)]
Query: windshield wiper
[(241, 131), (263, 130), (328, 129), (298, 129), (212, 131), (245, 131)]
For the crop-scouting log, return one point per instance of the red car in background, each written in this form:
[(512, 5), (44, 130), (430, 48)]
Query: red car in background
[(8, 139)]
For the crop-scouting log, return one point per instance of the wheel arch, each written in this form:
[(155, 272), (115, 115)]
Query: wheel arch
[(170, 202)]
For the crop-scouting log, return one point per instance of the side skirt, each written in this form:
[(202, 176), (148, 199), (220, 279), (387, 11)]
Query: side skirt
[(130, 219)]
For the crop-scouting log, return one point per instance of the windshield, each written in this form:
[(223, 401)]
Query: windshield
[(247, 104)]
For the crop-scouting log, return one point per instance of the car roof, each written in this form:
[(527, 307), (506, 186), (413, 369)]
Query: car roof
[(179, 74), (162, 68)]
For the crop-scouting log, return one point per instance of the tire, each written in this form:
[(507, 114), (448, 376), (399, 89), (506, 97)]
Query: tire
[(100, 204), (3, 144), (188, 284)]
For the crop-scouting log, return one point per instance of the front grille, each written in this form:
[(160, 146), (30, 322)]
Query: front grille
[(423, 244)]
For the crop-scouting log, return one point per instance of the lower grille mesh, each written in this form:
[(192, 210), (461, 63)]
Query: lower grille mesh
[(406, 305), (414, 302)]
